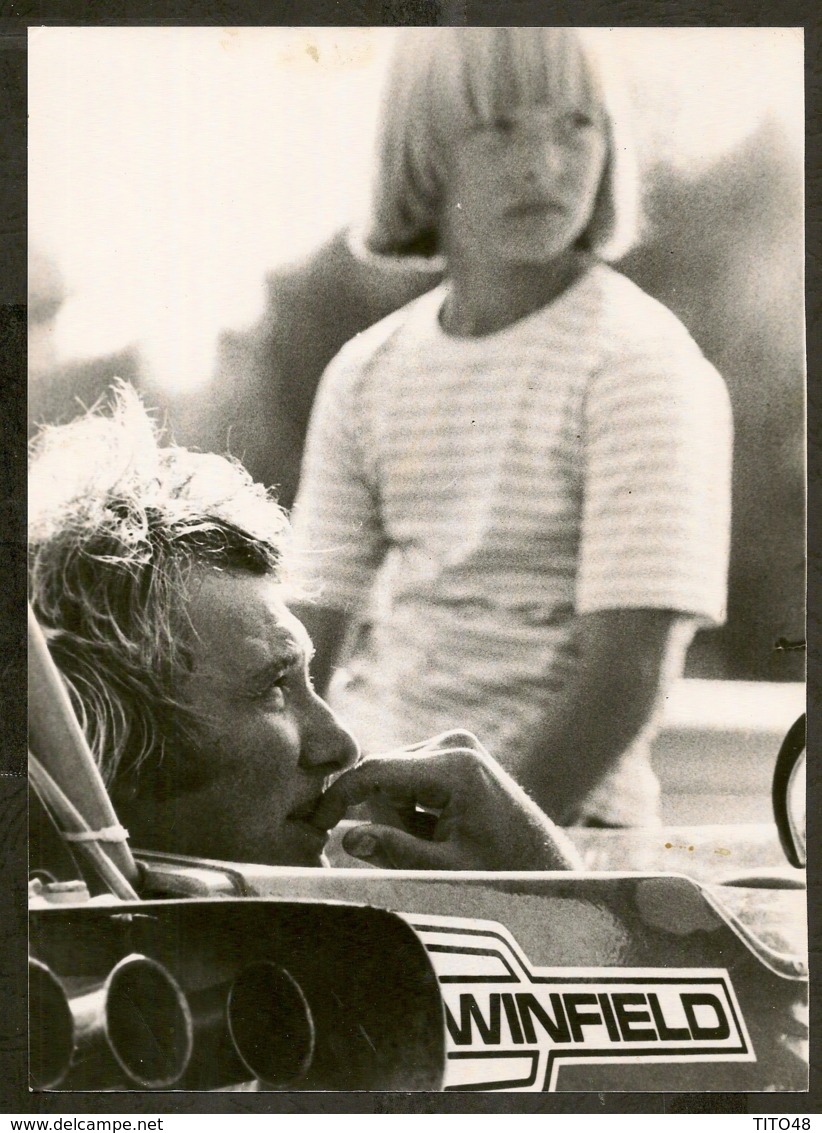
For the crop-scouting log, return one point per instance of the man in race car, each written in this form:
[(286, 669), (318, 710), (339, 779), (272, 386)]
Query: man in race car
[(160, 578)]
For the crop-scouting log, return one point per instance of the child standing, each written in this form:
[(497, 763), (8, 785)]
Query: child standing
[(519, 483)]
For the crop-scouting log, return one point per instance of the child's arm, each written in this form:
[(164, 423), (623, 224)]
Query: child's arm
[(625, 660), (339, 541), (652, 562)]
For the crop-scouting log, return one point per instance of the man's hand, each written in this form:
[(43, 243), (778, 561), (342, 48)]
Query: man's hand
[(476, 815)]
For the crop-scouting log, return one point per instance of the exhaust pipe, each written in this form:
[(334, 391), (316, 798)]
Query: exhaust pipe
[(271, 1025), (136, 1025), (214, 1061), (51, 1028), (248, 1001), (256, 1026)]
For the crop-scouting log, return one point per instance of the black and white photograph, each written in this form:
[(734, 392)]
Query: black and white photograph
[(416, 561)]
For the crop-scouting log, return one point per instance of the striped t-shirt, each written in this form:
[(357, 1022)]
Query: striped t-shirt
[(467, 497)]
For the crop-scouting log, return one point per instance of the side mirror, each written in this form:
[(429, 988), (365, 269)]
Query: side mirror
[(788, 794)]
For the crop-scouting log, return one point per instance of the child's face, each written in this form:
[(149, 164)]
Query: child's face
[(522, 188)]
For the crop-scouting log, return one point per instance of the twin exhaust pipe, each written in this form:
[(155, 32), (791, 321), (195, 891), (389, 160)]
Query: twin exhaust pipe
[(138, 1029), (212, 993)]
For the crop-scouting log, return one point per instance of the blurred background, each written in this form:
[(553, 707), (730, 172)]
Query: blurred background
[(189, 188)]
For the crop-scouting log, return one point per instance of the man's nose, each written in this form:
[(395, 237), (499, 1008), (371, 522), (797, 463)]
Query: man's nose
[(328, 744)]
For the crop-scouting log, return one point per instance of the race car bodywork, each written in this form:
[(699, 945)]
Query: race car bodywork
[(626, 981)]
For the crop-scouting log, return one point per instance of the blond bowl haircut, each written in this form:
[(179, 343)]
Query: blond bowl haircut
[(441, 81)]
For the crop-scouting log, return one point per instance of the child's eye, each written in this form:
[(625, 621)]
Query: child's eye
[(580, 119), (503, 125)]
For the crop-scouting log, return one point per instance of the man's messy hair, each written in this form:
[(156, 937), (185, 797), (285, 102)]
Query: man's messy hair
[(116, 522)]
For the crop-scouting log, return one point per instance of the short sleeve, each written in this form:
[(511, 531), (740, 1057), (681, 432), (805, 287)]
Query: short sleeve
[(655, 527), (338, 536)]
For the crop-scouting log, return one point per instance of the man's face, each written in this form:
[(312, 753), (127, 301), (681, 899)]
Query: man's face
[(266, 743)]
